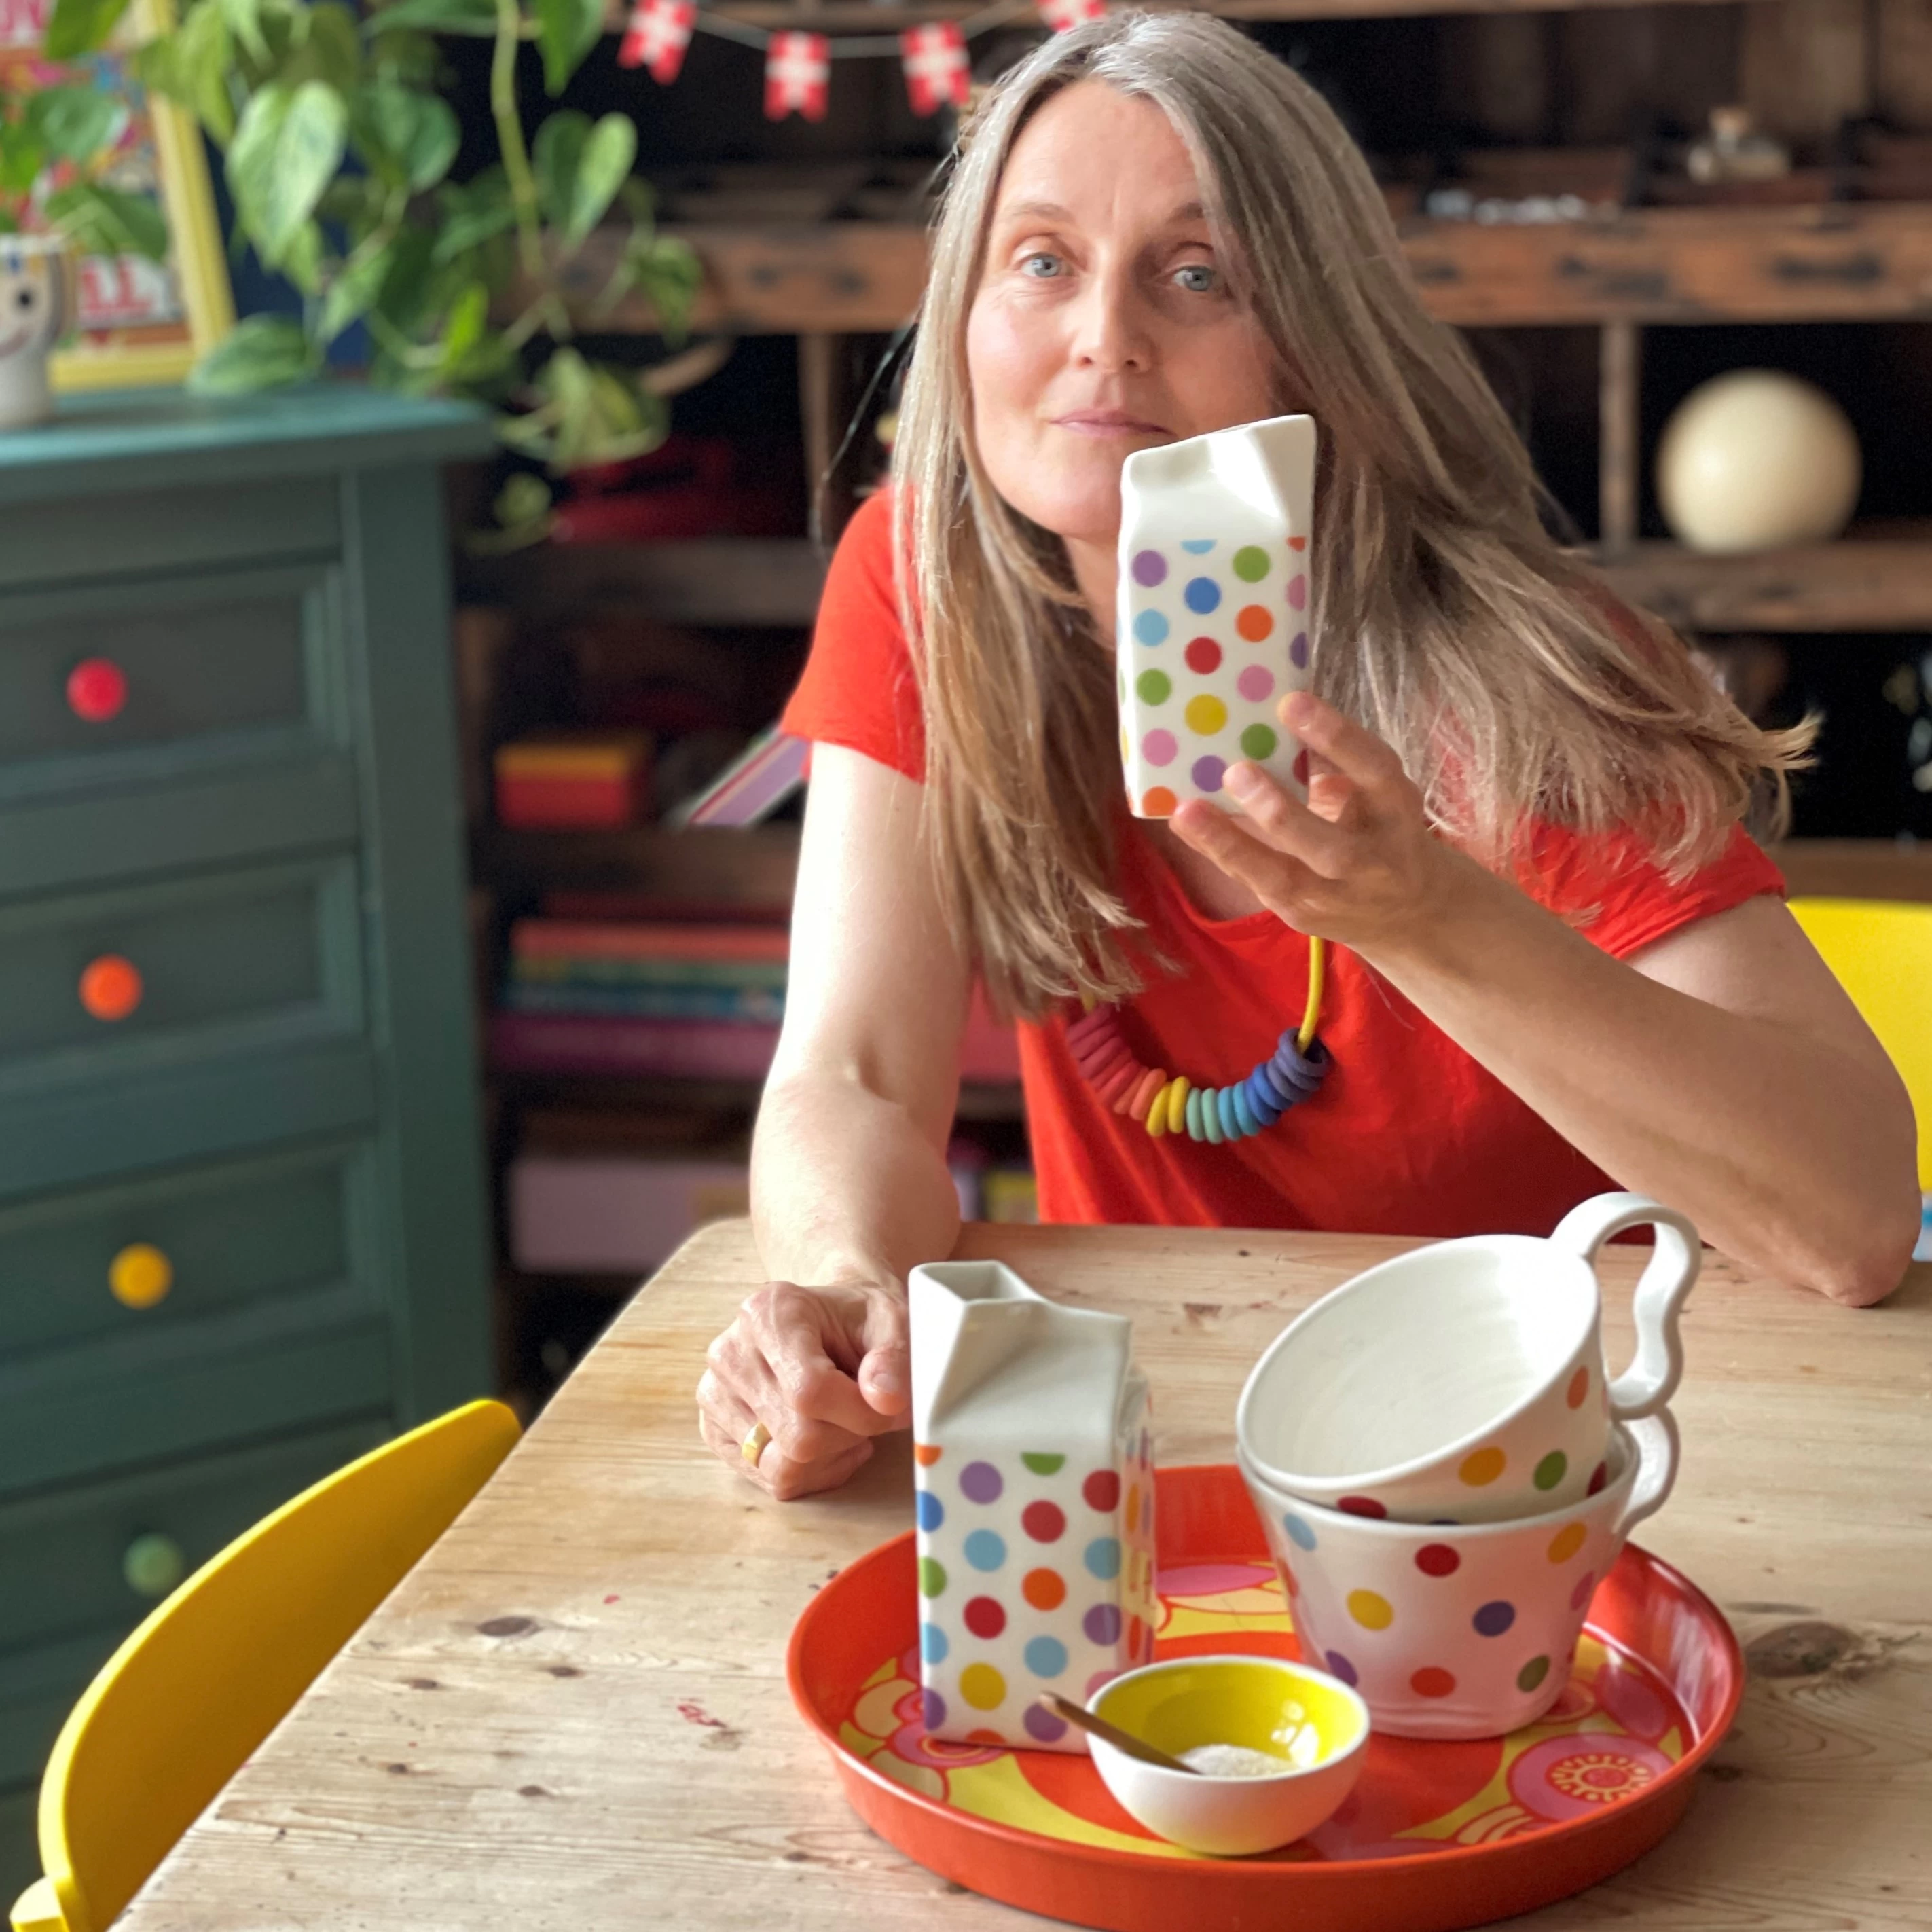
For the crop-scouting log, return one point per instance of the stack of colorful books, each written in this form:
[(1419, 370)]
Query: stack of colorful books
[(636, 996), (667, 999)]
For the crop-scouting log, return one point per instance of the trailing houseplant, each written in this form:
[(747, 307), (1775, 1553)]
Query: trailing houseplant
[(338, 150), (59, 141)]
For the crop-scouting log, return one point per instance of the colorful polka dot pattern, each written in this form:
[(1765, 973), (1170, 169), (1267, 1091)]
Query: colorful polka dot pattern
[(1035, 1570), (1455, 1621), (1235, 607), (1173, 1105)]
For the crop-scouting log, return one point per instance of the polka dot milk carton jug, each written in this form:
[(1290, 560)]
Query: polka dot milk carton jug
[(1212, 626), (1030, 1448)]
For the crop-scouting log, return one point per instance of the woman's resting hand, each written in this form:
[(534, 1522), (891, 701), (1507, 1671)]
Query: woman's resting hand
[(825, 1369)]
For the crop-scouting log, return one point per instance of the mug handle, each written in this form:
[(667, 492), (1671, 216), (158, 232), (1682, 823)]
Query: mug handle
[(1657, 1445), (1652, 1377)]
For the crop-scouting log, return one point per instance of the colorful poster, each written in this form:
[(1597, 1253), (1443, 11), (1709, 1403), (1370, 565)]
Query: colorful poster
[(140, 321)]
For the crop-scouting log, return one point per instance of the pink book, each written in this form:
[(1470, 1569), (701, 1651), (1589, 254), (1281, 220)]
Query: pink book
[(669, 1049), (554, 938)]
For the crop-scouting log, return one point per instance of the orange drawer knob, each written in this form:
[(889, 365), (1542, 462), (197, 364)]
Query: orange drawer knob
[(110, 987), (97, 689), (140, 1275)]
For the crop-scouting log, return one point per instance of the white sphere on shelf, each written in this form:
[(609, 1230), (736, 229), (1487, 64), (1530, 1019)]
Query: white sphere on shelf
[(1756, 459)]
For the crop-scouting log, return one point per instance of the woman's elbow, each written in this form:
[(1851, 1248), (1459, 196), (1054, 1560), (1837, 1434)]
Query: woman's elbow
[(1861, 1271)]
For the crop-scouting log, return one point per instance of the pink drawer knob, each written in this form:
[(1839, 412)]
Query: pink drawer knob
[(97, 689)]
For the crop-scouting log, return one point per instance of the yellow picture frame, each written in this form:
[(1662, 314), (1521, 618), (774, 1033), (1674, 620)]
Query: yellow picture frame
[(143, 354)]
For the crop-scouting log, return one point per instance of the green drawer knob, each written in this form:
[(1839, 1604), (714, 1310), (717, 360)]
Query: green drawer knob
[(153, 1565)]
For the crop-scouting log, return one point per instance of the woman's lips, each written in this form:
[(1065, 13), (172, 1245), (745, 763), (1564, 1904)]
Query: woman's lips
[(1104, 424)]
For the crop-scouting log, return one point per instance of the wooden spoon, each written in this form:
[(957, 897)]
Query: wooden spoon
[(1084, 1720)]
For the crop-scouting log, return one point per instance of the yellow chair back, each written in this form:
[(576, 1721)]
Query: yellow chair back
[(1880, 951), (179, 1707)]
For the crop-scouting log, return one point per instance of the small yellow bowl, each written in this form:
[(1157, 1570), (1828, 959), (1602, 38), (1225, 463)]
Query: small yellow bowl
[(1316, 1726)]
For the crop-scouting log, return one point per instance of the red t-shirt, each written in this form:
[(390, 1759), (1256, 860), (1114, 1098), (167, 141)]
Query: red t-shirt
[(1407, 1135)]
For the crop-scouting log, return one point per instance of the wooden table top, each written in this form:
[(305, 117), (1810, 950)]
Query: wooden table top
[(573, 1713)]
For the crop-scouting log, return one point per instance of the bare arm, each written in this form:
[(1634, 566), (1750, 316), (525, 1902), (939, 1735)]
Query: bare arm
[(1723, 1070), (849, 1183)]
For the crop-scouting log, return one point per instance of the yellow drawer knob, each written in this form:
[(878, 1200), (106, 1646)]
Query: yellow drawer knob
[(153, 1565), (140, 1275)]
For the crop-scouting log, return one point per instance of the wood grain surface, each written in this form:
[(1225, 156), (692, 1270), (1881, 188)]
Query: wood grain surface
[(573, 1713)]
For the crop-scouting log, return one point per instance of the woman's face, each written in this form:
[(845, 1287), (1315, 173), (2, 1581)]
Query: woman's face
[(1104, 322)]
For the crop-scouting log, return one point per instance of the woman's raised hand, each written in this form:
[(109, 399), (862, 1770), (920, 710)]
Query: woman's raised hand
[(1358, 863), (825, 1369)]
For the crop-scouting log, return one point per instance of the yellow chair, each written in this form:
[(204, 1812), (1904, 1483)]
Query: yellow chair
[(179, 1708), (1880, 952)]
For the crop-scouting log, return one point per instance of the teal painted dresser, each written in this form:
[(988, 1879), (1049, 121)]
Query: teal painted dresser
[(242, 1231)]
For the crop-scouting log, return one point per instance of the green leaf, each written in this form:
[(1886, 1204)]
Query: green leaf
[(566, 31), (409, 139), (407, 55), (354, 290), (580, 168), (606, 165), (469, 317), (330, 48), (285, 152), (244, 22), (405, 298), (669, 274), (22, 156), (475, 17), (555, 155), (473, 213), (109, 221), (302, 264), (265, 351), (75, 123), (79, 27), (192, 66), (587, 414)]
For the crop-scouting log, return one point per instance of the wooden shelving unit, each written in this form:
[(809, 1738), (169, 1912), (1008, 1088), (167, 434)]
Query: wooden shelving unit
[(827, 251)]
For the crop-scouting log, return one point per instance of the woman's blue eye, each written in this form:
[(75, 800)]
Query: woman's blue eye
[(1027, 265), (1205, 285)]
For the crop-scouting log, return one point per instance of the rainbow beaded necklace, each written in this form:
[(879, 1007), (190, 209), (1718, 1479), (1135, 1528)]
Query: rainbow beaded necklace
[(1175, 1106)]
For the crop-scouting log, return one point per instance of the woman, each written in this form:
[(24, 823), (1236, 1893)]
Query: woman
[(1557, 958)]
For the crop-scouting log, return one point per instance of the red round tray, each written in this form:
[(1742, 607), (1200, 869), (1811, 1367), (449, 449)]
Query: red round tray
[(1435, 1835)]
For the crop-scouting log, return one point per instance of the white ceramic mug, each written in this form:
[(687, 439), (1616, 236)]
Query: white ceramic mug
[(1458, 1633), (1464, 1382)]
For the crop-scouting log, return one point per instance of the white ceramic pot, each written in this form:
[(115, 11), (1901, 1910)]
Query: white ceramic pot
[(1464, 1382), (37, 304), (1458, 1633)]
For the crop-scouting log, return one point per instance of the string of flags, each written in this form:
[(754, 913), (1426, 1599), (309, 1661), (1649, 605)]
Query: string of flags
[(798, 65)]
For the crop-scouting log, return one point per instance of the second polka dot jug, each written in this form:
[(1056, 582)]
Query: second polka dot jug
[(1213, 628), (1035, 1497)]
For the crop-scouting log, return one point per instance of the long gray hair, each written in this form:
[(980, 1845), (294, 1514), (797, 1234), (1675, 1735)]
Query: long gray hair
[(1513, 684)]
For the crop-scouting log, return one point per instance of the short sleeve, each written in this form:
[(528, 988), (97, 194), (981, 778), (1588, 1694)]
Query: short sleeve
[(1623, 901), (859, 688)]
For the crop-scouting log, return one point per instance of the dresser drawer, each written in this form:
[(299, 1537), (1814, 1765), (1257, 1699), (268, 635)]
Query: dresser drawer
[(122, 1404), (139, 1258), (209, 963), (100, 1558), (128, 681)]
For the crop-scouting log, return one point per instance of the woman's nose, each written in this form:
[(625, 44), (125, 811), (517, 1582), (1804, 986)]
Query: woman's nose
[(1111, 331)]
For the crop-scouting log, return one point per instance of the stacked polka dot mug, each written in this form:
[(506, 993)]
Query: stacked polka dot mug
[(1459, 1386), (1035, 1501), (1451, 1632), (1213, 622)]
